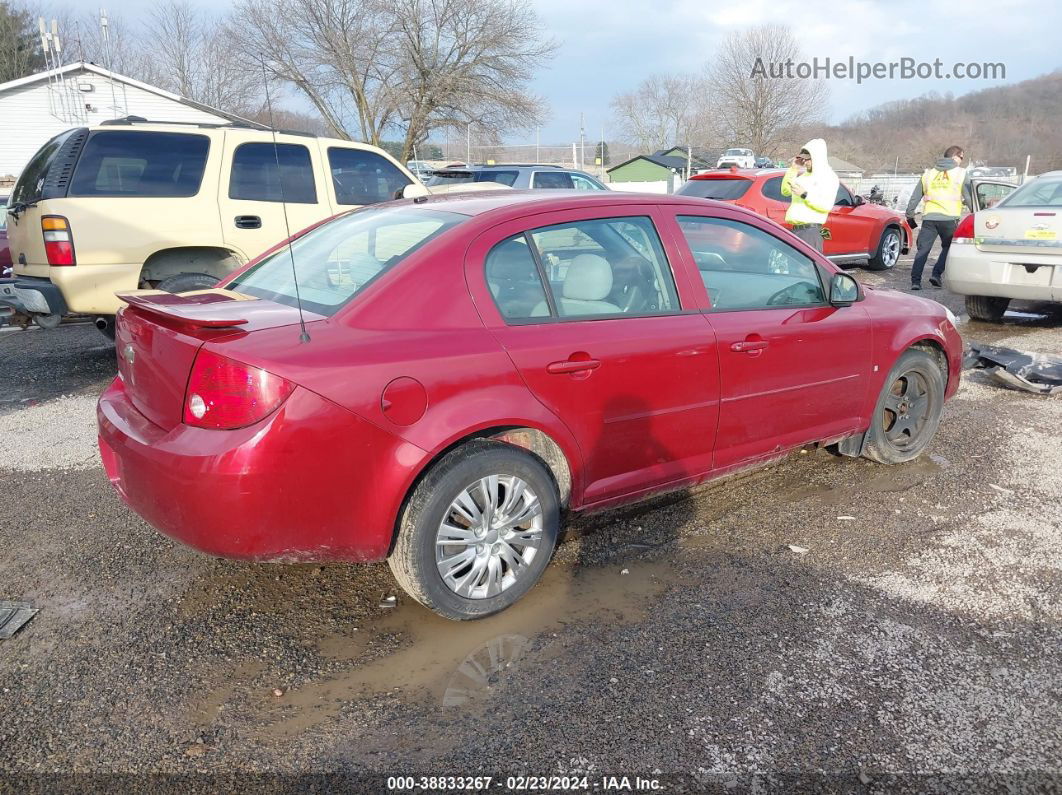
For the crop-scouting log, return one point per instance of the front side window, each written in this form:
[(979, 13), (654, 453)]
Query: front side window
[(989, 194), (268, 172), (585, 183), (552, 180), (335, 262), (361, 177), (743, 267), (141, 165), (600, 267)]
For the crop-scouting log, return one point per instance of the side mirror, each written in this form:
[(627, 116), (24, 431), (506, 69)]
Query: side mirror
[(844, 290), (859, 201), (412, 191)]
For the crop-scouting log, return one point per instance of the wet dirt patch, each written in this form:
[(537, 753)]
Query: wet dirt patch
[(461, 664)]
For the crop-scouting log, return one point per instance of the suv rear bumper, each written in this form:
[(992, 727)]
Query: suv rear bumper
[(33, 295)]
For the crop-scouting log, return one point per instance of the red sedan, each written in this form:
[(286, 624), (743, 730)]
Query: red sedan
[(856, 231), (473, 366)]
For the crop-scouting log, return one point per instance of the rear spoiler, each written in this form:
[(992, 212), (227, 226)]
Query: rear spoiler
[(215, 308)]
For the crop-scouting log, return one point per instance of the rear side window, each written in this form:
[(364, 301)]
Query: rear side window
[(451, 177), (552, 179), (141, 164), (269, 172), (501, 177), (361, 177), (31, 182), (514, 281), (720, 189), (772, 189)]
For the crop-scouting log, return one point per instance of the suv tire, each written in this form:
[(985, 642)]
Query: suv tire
[(186, 282)]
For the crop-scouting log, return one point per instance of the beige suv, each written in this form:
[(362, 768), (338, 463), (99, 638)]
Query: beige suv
[(130, 204)]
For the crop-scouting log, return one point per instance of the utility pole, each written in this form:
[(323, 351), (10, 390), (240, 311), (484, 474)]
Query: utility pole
[(582, 143), (468, 144), (538, 142)]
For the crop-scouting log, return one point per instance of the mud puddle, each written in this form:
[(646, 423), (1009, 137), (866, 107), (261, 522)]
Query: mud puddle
[(889, 480), (460, 665)]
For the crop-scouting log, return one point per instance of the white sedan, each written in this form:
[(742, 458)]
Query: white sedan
[(1010, 249)]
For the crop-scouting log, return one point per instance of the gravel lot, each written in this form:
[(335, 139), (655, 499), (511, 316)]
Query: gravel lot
[(915, 644)]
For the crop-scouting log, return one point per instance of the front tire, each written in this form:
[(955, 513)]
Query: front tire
[(907, 414), (986, 308), (478, 531), (888, 253)]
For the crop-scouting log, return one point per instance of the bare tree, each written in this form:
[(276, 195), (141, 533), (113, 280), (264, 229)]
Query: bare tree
[(754, 107), (371, 67), (663, 111), (191, 56), (20, 51)]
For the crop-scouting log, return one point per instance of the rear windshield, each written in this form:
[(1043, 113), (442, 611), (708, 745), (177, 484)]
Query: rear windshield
[(1038, 193), (723, 189), (336, 261), (30, 184), (141, 164)]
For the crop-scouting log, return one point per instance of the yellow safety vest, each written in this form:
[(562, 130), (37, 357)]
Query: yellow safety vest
[(942, 191), (801, 211)]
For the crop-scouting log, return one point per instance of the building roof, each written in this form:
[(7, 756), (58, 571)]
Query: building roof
[(696, 154), (843, 165), (79, 67), (664, 161)]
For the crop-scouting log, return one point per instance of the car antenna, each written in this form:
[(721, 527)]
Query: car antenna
[(304, 335)]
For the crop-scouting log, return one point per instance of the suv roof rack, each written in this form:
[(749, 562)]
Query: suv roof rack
[(128, 121)]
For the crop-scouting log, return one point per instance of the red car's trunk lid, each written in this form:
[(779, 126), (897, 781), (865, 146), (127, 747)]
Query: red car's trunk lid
[(158, 335)]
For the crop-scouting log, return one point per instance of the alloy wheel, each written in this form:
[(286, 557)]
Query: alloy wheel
[(906, 411), (890, 249)]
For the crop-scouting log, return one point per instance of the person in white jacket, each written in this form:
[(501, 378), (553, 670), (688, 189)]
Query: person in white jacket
[(812, 186)]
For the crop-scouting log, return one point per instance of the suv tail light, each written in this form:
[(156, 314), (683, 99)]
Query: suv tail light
[(58, 243), (964, 232), (224, 394)]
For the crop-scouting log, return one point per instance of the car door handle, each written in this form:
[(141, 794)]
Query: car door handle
[(572, 366), (248, 222), (748, 346)]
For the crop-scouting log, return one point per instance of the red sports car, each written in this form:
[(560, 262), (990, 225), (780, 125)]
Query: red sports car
[(856, 231), (472, 366)]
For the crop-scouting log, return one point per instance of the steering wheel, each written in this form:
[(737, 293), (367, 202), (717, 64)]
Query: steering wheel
[(798, 293)]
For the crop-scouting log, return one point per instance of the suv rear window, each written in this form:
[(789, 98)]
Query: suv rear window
[(361, 177), (141, 164), (339, 259), (723, 189), (29, 185)]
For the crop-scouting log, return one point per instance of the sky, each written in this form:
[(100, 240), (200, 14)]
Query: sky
[(609, 46)]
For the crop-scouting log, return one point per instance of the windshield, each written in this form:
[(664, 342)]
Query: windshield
[(736, 151), (721, 189), (1038, 193), (336, 261)]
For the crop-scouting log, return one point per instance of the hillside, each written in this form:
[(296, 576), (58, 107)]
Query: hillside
[(999, 126)]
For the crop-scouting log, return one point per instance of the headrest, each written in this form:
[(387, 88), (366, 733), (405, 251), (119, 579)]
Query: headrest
[(589, 278)]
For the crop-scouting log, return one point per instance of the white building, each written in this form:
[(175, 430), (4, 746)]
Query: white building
[(33, 109)]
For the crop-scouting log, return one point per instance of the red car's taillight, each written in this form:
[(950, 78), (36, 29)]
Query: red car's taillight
[(964, 232), (224, 394), (58, 242)]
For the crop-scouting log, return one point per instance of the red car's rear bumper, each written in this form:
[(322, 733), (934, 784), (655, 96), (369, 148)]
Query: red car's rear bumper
[(310, 482)]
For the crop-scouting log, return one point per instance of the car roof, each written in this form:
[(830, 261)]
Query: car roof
[(482, 167), (483, 202), (745, 173)]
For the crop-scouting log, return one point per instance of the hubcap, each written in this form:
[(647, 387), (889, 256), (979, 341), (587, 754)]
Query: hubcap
[(490, 534), (906, 410)]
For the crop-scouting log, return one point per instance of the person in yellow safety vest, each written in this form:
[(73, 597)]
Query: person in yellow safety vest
[(812, 186), (944, 189)]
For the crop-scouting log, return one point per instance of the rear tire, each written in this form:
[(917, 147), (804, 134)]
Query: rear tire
[(419, 559), (907, 414), (186, 282), (888, 253), (987, 308)]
